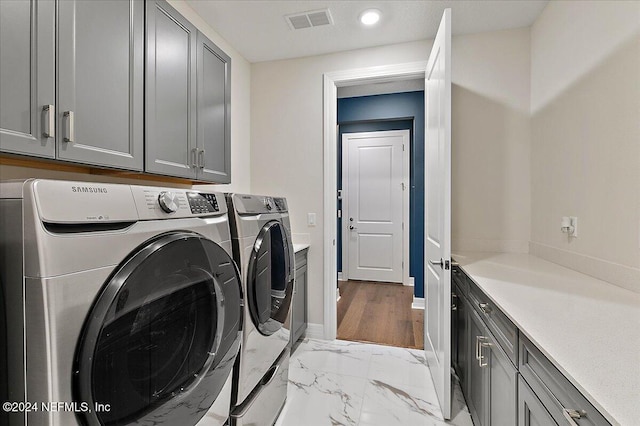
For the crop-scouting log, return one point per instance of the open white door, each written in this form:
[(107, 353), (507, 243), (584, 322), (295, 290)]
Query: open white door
[(437, 274)]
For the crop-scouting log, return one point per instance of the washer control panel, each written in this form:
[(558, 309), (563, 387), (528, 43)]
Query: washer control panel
[(201, 202)]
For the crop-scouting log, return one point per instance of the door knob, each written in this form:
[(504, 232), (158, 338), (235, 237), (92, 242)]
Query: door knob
[(436, 262)]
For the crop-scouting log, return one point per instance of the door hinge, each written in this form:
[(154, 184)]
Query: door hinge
[(403, 226), (403, 147), (403, 186)]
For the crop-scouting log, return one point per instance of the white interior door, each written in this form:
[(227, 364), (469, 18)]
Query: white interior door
[(373, 220), (438, 213)]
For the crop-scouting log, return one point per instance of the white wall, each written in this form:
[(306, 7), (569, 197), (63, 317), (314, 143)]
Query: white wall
[(491, 142), (240, 124), (585, 156), (286, 142), (491, 98)]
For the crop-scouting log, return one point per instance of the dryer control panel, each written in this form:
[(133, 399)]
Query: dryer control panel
[(164, 203), (201, 202)]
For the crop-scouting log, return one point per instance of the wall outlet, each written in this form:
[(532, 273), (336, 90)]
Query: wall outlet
[(574, 223), (311, 219)]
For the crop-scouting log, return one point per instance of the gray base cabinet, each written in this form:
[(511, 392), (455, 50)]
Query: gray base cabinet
[(531, 412), (187, 126), (506, 380), (299, 312), (92, 113)]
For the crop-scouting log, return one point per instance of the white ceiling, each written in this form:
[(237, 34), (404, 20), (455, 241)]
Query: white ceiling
[(259, 31)]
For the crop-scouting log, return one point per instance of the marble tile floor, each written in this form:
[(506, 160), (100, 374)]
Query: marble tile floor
[(350, 383)]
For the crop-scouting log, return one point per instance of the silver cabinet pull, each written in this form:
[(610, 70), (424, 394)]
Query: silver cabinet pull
[(482, 361), (481, 342), (69, 129), (486, 308), (193, 157), (570, 415), (454, 308), (201, 158), (49, 121)]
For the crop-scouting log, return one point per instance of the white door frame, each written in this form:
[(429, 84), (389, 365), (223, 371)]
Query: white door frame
[(406, 134), (331, 82)]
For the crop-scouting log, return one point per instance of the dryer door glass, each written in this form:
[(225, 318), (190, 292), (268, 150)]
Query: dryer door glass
[(269, 279), (162, 334)]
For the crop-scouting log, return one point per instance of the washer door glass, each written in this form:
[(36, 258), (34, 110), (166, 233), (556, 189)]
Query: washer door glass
[(154, 335), (269, 279)]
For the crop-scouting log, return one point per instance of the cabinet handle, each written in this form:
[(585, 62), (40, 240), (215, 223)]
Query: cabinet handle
[(481, 342), (486, 308), (201, 158), (69, 130), (49, 121), (193, 157), (481, 361), (570, 415)]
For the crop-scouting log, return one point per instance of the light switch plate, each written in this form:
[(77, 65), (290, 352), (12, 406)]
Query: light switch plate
[(311, 219)]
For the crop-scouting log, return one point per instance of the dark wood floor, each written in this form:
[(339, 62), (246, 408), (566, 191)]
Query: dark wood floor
[(379, 313)]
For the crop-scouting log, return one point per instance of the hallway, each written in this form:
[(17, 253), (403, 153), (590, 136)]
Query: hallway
[(379, 313)]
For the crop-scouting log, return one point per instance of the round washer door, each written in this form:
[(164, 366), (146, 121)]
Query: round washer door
[(162, 336), (269, 279)]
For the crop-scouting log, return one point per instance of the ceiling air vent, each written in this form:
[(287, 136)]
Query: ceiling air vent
[(314, 18)]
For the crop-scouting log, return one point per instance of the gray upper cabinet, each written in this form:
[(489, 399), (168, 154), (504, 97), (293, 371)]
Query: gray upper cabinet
[(90, 109), (27, 77), (214, 118), (170, 93), (188, 98), (100, 82)]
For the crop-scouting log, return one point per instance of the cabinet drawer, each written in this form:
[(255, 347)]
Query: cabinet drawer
[(554, 390), (503, 329), (301, 259)]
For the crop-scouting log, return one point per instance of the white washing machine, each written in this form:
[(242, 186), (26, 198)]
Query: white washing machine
[(122, 305), (261, 233)]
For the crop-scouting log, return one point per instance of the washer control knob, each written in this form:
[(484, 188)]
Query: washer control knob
[(168, 201), (268, 204)]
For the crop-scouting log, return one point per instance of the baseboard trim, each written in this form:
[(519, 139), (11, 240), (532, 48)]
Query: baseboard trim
[(418, 303), (315, 331), (340, 277), (614, 273), (410, 283)]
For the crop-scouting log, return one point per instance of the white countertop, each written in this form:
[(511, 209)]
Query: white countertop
[(300, 247), (589, 329)]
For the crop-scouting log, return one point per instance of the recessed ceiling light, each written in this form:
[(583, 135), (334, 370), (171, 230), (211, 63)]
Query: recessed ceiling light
[(370, 16)]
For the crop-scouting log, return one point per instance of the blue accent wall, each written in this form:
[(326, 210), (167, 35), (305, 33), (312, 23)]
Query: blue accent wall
[(397, 111)]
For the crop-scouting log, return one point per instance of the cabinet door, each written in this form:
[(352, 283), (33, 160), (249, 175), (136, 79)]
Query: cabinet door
[(503, 378), (214, 108), (531, 412), (170, 92), (100, 82), (463, 339), (27, 77), (478, 384), (300, 304)]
